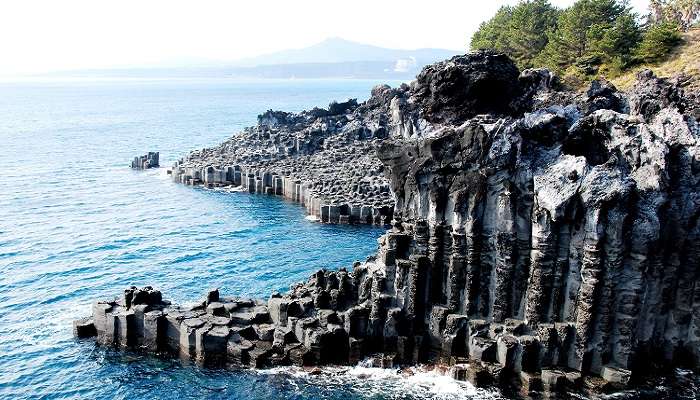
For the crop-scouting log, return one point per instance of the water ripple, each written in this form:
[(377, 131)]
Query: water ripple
[(78, 224)]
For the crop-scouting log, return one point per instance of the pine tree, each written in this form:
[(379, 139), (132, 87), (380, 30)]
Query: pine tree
[(591, 37), (591, 33), (519, 31), (530, 22), (493, 34), (658, 41)]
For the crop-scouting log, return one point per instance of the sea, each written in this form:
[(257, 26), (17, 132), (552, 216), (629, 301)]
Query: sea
[(77, 224)]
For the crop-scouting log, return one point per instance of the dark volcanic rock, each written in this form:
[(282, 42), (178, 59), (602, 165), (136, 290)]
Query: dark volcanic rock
[(476, 83), (651, 94), (325, 159), (603, 95), (544, 239), (586, 224), (150, 160)]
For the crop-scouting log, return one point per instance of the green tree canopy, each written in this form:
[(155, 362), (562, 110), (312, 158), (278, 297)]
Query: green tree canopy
[(658, 41), (591, 33), (518, 31), (490, 34), (590, 37)]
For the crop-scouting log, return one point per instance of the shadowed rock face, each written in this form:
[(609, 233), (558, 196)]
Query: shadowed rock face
[(550, 241)]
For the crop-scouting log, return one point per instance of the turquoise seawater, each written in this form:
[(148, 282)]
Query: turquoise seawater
[(77, 224)]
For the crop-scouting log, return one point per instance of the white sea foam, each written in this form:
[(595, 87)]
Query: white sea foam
[(415, 382), (232, 189), (160, 173), (225, 189)]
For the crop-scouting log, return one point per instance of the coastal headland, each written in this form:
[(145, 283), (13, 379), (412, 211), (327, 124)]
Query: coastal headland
[(540, 239)]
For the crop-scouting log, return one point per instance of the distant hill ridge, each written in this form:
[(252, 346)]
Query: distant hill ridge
[(331, 58), (338, 50)]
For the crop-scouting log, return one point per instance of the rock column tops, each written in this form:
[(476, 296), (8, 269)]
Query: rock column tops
[(376, 311), (321, 159), (150, 160)]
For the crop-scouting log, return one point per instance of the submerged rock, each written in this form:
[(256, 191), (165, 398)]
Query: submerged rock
[(534, 244)]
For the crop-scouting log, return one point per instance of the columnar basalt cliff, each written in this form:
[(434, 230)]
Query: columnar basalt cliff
[(540, 239), (323, 159)]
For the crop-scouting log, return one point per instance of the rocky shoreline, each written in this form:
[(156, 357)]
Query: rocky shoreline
[(540, 240), (323, 159)]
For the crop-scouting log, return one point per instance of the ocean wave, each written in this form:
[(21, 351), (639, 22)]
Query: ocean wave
[(416, 382)]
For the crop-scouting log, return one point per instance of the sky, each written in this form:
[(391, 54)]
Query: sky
[(47, 35)]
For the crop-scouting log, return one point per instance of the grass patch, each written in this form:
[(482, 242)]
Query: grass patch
[(685, 59)]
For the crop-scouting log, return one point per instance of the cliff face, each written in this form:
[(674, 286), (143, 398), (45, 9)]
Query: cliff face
[(580, 220), (539, 238)]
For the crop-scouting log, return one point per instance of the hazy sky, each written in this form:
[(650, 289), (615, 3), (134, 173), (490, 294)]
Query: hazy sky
[(38, 36)]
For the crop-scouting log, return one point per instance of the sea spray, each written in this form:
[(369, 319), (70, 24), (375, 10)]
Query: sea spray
[(418, 382)]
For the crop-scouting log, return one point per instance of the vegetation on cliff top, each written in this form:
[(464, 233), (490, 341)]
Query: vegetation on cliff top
[(590, 38), (683, 60)]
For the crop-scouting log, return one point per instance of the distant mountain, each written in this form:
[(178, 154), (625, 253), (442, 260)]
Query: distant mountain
[(331, 58), (337, 50), (340, 58)]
